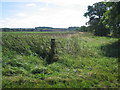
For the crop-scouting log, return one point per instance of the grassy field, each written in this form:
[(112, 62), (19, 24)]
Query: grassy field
[(81, 61)]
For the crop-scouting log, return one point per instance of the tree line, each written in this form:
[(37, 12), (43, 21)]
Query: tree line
[(104, 19), (38, 29)]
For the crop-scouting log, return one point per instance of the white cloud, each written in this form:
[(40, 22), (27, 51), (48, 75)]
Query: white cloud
[(42, 9), (71, 2), (54, 18), (65, 13), (21, 14), (31, 5)]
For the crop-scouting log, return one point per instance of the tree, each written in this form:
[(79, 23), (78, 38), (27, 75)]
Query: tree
[(82, 29), (95, 13), (72, 28), (111, 18), (5, 29)]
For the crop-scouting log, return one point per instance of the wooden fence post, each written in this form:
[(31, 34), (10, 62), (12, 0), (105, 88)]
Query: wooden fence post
[(52, 51)]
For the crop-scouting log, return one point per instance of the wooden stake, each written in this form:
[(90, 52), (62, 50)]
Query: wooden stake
[(52, 52)]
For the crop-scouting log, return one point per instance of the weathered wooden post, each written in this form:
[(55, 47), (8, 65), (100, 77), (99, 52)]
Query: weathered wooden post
[(52, 51)]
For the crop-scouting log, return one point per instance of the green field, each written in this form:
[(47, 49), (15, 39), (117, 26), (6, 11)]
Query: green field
[(80, 61)]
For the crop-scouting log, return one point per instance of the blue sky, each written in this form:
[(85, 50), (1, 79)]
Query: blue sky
[(53, 13)]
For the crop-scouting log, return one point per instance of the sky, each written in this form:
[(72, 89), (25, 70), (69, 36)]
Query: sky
[(51, 13)]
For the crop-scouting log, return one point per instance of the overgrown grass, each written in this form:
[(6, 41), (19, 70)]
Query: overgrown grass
[(81, 62)]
